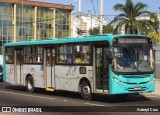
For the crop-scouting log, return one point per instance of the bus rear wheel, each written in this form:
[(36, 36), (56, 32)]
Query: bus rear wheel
[(86, 93), (30, 84), (1, 79)]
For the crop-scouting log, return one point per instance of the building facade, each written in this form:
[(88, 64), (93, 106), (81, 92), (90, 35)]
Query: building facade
[(21, 20), (85, 23)]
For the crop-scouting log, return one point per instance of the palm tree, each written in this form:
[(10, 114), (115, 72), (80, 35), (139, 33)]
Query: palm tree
[(130, 17), (154, 21)]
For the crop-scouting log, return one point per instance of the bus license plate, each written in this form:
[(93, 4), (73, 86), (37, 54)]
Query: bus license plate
[(137, 88)]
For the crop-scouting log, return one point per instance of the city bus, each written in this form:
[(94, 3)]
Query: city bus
[(102, 64)]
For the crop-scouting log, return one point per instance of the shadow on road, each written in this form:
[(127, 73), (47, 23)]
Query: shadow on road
[(96, 97)]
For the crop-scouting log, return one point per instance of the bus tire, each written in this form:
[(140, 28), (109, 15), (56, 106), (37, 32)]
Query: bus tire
[(1, 79), (30, 84), (86, 93)]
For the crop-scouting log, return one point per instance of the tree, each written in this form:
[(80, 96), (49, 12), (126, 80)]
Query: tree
[(94, 31), (154, 21), (154, 34), (129, 18), (106, 29), (155, 37)]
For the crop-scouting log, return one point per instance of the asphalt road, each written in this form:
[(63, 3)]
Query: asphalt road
[(17, 96)]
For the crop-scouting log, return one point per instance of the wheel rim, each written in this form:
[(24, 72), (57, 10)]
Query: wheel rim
[(86, 90), (29, 85)]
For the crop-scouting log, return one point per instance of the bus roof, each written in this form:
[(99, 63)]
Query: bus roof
[(104, 37)]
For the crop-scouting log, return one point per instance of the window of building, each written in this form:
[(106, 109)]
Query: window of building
[(44, 23), (62, 23), (10, 55), (6, 17), (24, 22)]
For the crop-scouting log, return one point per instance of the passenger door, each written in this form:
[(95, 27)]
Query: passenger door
[(19, 66), (50, 64), (102, 68)]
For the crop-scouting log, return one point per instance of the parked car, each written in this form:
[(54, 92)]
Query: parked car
[(1, 73)]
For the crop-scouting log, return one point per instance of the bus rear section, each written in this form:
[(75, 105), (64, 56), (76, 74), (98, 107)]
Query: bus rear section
[(133, 66)]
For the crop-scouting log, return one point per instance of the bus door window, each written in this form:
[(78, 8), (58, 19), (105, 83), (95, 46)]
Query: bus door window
[(50, 57), (53, 57), (19, 57), (106, 64), (102, 78), (99, 67)]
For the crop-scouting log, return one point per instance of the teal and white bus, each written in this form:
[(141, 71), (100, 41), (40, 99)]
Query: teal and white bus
[(105, 64)]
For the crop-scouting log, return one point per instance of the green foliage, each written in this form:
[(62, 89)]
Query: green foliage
[(154, 21), (155, 37), (106, 29), (94, 31), (129, 18)]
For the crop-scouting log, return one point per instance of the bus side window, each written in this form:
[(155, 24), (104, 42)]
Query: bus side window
[(82, 54), (77, 54), (86, 52), (9, 55), (68, 54), (61, 58), (87, 57)]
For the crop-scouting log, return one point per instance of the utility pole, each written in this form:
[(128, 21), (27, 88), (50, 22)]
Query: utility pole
[(79, 18), (101, 17), (79, 13)]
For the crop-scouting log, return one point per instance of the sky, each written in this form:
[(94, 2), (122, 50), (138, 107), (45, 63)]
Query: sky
[(153, 5)]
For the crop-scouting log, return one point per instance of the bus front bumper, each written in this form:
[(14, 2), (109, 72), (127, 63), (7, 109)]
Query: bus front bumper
[(120, 88)]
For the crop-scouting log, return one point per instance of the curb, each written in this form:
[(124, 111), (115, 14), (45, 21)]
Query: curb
[(151, 94)]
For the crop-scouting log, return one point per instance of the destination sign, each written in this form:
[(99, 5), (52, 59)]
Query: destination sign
[(132, 40)]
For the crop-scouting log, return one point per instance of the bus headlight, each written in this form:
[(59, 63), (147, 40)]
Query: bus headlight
[(115, 80), (150, 82)]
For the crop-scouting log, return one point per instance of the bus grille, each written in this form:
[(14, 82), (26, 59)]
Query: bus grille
[(132, 89), (137, 83)]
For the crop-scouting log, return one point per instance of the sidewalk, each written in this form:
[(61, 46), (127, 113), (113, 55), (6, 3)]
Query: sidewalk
[(157, 89)]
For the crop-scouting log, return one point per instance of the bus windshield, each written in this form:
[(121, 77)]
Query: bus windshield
[(133, 58)]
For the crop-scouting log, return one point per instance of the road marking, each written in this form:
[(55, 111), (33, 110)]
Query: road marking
[(94, 104), (27, 95)]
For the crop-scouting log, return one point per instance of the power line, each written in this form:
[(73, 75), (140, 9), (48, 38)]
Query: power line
[(92, 2), (97, 8)]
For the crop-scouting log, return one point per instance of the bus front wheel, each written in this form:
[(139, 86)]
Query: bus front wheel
[(30, 84), (86, 91)]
